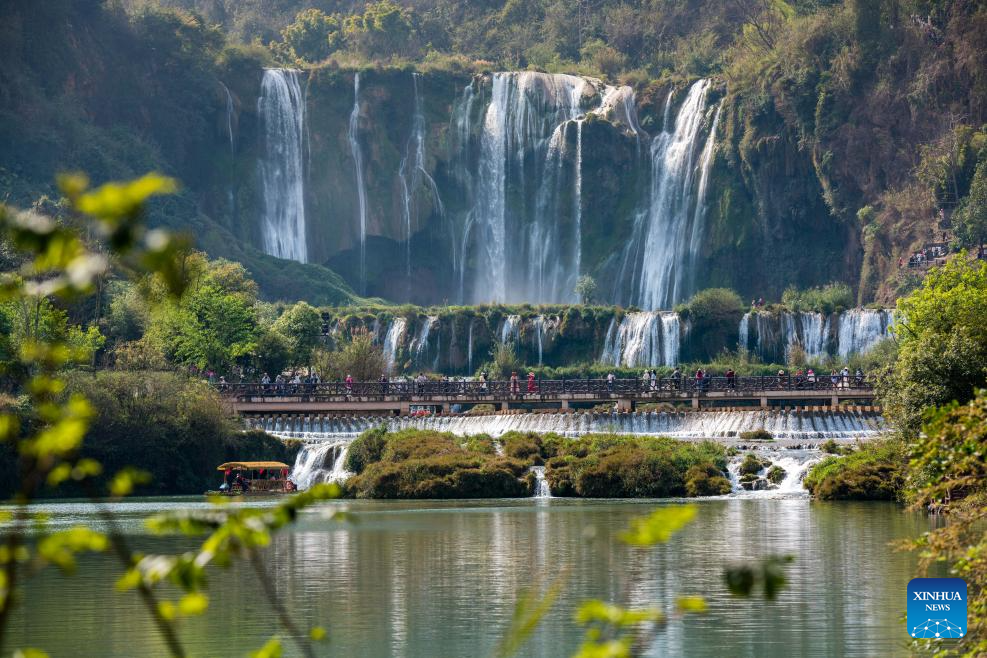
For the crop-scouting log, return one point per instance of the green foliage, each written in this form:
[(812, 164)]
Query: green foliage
[(301, 325), (776, 475), (384, 29), (831, 298), (760, 434), (311, 38), (942, 344), (610, 466), (706, 480), (874, 472), (358, 357), (366, 449), (714, 315), (971, 224), (752, 464)]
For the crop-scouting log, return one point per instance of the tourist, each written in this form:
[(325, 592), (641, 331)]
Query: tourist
[(654, 380), (834, 378), (531, 382), (349, 384), (799, 376), (677, 379), (781, 377), (383, 384), (845, 377), (610, 379), (810, 377), (483, 381), (731, 378), (859, 377), (646, 380), (699, 379), (515, 386)]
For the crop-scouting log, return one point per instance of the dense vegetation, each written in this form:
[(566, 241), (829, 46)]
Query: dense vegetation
[(428, 464)]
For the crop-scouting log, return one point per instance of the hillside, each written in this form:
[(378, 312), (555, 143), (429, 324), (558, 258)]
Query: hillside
[(746, 144)]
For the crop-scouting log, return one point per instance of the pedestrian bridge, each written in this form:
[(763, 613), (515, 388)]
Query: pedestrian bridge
[(446, 396)]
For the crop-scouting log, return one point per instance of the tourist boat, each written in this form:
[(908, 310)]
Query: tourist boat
[(254, 478)]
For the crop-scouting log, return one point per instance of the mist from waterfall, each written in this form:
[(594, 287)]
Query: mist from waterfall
[(281, 108), (673, 224), (353, 136)]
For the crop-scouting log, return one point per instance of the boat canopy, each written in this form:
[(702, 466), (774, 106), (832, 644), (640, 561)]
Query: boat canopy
[(250, 466)]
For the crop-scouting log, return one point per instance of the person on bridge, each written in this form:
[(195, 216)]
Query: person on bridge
[(654, 380), (483, 381), (781, 377), (700, 375), (610, 379), (845, 377), (349, 384), (810, 376), (731, 378), (858, 377), (383, 384), (834, 378), (515, 385), (531, 383), (266, 379)]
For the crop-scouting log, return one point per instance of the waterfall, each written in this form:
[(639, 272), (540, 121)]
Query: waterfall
[(420, 344), (787, 427), (469, 349), (698, 219), (392, 342), (281, 109), (230, 111), (412, 172), (577, 213), (539, 324), (523, 151), (320, 462), (510, 330), (744, 332), (353, 135), (673, 205), (542, 489), (643, 339), (461, 167), (861, 329), (815, 335)]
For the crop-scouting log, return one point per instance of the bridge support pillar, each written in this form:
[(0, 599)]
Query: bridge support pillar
[(502, 406), (764, 402), (625, 404), (405, 409), (834, 401), (565, 405), (695, 401)]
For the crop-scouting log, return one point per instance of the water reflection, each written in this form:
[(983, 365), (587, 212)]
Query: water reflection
[(441, 579)]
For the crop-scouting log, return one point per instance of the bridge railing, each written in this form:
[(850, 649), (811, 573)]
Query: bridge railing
[(549, 388)]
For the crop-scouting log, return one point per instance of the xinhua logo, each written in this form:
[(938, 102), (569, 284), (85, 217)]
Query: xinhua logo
[(937, 608)]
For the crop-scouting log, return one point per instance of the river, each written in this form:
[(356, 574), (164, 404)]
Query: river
[(440, 578)]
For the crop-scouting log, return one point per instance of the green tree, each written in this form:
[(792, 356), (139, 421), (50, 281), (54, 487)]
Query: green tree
[(301, 324), (359, 357), (313, 36), (384, 29), (941, 330), (586, 289), (972, 215), (714, 315)]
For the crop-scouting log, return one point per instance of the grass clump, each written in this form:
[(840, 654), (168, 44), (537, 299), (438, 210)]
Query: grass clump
[(757, 435)]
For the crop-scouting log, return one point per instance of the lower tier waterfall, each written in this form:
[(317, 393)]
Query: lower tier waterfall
[(788, 426)]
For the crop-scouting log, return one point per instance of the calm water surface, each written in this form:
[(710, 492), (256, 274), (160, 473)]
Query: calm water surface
[(438, 578)]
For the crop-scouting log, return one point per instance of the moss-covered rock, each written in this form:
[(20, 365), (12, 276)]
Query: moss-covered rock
[(875, 472), (706, 480)]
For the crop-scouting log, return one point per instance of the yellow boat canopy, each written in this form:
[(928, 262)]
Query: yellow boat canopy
[(249, 466)]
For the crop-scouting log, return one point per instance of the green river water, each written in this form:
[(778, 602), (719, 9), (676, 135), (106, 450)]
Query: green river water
[(440, 578)]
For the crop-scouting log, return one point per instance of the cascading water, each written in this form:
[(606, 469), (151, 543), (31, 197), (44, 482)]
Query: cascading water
[(281, 109), (320, 462), (643, 339), (510, 331), (419, 345), (353, 135), (469, 349), (542, 490), (675, 207), (526, 220), (412, 173), (392, 341), (862, 328), (787, 427)]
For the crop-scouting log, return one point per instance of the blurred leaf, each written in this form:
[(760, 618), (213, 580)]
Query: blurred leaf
[(193, 603), (743, 579), (659, 526), (531, 606), (61, 547), (317, 633), (691, 604), (272, 649), (30, 653), (126, 479), (115, 200)]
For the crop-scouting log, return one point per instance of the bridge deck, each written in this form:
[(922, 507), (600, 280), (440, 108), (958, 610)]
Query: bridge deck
[(400, 397)]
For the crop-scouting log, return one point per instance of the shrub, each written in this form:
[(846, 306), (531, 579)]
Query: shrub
[(875, 472), (776, 474), (706, 480), (366, 449), (757, 435), (752, 464)]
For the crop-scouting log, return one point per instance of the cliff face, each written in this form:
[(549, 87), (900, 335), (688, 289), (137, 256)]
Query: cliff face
[(509, 186)]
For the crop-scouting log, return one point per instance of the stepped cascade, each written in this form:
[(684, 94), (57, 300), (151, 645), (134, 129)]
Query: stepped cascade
[(791, 426), (281, 108)]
